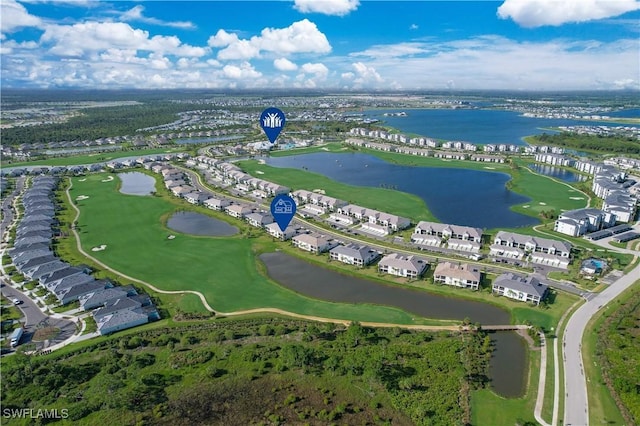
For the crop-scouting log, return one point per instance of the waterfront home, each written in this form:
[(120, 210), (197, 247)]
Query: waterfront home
[(180, 191), (238, 211), (196, 197), (274, 230), (314, 242), (488, 158), (301, 196), (392, 222), (622, 205), (457, 275), (216, 203), (259, 219), (582, 221), (403, 266), (445, 231), (554, 159), (518, 287), (354, 254), (172, 183)]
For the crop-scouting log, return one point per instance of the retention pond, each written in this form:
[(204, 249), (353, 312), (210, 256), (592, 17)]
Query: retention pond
[(199, 224)]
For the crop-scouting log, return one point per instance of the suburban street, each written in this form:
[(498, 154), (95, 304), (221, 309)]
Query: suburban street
[(576, 401)]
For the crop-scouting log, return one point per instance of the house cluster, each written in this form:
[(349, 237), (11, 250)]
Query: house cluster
[(619, 194), (26, 151), (453, 237), (439, 153), (537, 250), (230, 174), (32, 256), (400, 138)]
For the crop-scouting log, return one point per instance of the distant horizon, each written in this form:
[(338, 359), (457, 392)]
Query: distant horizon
[(326, 45)]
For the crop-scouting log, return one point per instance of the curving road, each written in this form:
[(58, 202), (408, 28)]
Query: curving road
[(576, 404)]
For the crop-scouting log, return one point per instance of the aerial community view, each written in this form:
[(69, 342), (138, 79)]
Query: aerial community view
[(320, 212)]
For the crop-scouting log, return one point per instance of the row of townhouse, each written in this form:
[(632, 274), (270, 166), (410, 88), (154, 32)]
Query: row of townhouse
[(449, 155), (520, 287), (538, 250), (32, 256), (324, 203), (431, 143), (454, 237), (532, 149), (374, 221), (554, 159)]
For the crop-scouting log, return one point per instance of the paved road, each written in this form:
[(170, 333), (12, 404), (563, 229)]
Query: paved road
[(576, 401)]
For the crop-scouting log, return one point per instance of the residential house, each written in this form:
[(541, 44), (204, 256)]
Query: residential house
[(274, 230), (518, 287), (216, 203), (402, 265), (354, 254), (457, 275), (314, 243), (259, 219)]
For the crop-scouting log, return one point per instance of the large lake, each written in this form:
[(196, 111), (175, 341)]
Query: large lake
[(508, 364), (456, 196), (136, 183), (476, 125)]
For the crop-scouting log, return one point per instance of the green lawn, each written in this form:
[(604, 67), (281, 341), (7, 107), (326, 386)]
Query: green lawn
[(490, 409), (225, 270), (386, 200), (95, 158)]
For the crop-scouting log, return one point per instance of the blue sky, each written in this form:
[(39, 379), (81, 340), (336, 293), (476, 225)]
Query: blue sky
[(332, 44)]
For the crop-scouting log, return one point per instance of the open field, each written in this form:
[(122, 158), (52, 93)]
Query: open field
[(386, 200), (221, 268), (75, 160)]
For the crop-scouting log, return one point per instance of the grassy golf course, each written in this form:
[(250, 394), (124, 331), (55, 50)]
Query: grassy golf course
[(223, 269)]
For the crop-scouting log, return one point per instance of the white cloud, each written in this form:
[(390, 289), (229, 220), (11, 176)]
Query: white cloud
[(300, 37), (413, 27), (327, 7), (347, 75), (318, 69), (283, 64), (14, 16), (80, 39), (243, 72), (366, 74), (135, 14), (393, 50), (536, 13)]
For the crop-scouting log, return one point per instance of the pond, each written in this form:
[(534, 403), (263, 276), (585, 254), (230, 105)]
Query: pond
[(557, 172), (199, 224), (456, 196), (136, 183), (508, 364)]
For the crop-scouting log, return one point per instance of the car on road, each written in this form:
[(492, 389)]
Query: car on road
[(16, 301)]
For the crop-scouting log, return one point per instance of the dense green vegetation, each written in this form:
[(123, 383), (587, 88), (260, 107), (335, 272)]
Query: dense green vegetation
[(95, 123), (618, 352), (603, 144), (262, 371)]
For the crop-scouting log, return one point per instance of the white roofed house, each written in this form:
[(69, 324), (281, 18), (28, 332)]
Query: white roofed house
[(353, 254), (196, 197), (274, 230), (259, 219), (238, 210), (457, 275), (314, 243), (182, 190), (518, 287), (403, 266), (216, 203), (393, 222)]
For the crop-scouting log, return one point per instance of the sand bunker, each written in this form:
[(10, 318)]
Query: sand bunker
[(576, 198), (82, 180), (171, 237), (259, 172), (525, 207), (489, 168), (109, 179), (81, 197), (542, 204), (261, 162), (324, 148), (319, 191), (99, 248)]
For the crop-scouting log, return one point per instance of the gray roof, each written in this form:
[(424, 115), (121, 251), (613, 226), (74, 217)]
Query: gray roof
[(580, 214), (25, 241), (70, 281), (116, 305), (527, 284), (14, 252), (354, 250), (47, 268), (409, 263), (46, 223), (59, 274), (38, 217), (24, 257), (46, 233), (121, 319), (73, 293), (100, 297)]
